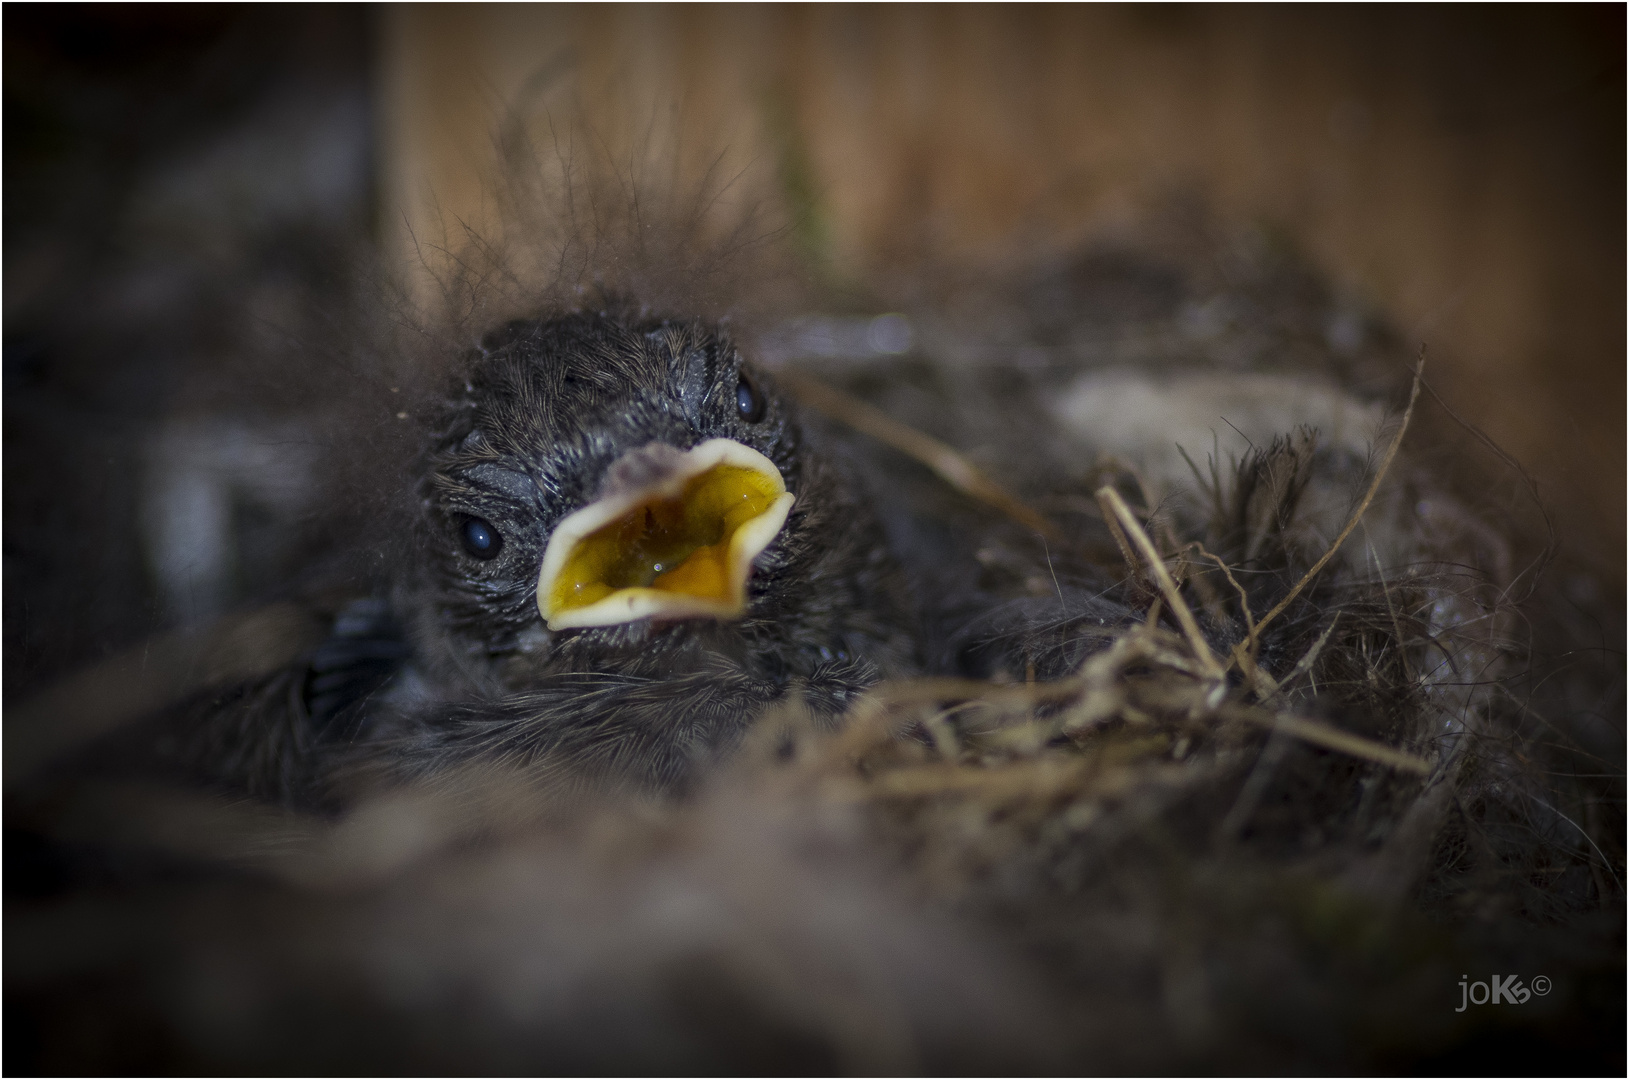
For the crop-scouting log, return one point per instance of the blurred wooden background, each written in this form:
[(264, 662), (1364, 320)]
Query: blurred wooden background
[(1460, 168)]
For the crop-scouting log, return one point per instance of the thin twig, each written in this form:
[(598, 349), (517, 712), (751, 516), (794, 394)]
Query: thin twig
[(942, 459), (1328, 737), (1134, 565), (1115, 509), (1357, 515), (1304, 665), (1264, 685), (1244, 598)]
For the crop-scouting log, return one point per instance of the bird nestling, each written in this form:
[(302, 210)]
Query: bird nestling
[(621, 549), (626, 549)]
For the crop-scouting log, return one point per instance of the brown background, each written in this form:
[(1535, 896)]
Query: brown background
[(1461, 169)]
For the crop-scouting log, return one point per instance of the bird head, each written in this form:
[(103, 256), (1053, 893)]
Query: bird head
[(611, 477)]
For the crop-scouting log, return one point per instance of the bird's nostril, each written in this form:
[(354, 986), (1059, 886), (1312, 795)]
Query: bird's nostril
[(646, 467)]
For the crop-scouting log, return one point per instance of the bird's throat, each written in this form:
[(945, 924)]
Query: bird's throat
[(679, 546)]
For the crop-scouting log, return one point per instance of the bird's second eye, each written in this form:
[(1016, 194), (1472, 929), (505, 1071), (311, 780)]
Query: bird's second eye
[(748, 401), (480, 539)]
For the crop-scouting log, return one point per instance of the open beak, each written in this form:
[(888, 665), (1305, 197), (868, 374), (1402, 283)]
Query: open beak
[(678, 543)]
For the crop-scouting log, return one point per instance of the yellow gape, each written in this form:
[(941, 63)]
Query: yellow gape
[(682, 548), (678, 544)]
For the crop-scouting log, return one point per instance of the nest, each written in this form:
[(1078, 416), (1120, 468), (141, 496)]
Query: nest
[(1272, 822), (1168, 859)]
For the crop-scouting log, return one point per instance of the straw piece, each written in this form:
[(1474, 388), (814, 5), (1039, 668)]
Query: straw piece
[(1303, 665), (1119, 516), (942, 459), (1357, 515), (1227, 571), (1328, 737)]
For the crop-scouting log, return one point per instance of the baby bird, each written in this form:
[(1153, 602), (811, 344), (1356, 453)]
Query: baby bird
[(625, 550), (621, 549)]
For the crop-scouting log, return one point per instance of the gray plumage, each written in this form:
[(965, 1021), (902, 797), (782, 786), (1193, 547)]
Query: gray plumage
[(549, 407), (453, 662)]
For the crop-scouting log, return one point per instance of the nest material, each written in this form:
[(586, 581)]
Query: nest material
[(1169, 859)]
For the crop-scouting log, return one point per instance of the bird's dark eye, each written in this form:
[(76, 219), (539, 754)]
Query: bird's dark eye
[(480, 539), (748, 401)]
